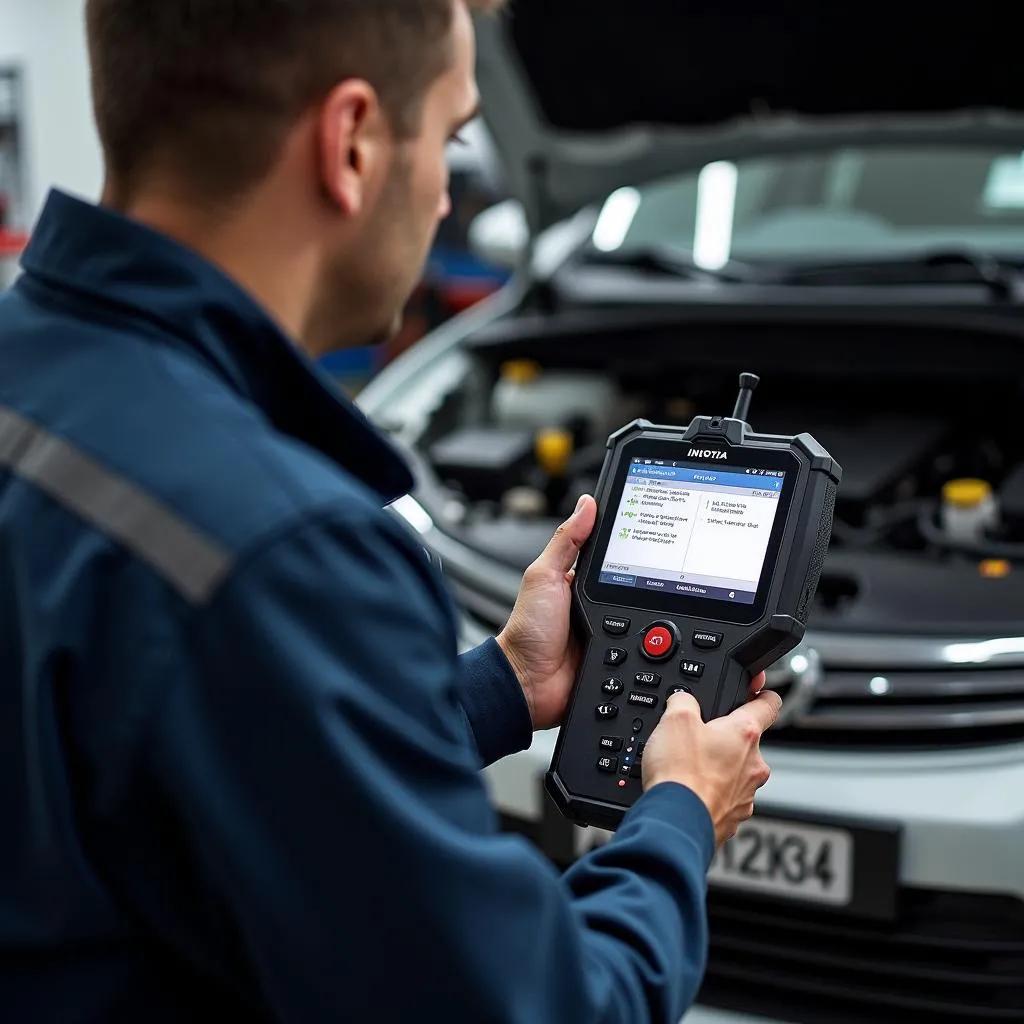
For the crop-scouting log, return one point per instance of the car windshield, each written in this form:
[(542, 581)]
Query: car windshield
[(829, 205)]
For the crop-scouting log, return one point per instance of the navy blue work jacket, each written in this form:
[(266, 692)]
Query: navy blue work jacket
[(239, 751)]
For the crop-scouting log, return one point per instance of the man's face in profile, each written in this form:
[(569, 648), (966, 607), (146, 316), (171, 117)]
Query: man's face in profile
[(371, 283)]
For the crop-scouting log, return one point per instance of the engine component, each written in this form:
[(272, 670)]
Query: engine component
[(554, 448), (876, 454), (971, 520), (968, 510), (524, 503), (527, 396), (484, 462)]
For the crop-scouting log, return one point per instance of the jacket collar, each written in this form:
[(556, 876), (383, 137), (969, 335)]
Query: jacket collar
[(111, 260)]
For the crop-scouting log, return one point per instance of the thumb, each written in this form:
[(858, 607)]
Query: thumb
[(563, 548), (763, 710)]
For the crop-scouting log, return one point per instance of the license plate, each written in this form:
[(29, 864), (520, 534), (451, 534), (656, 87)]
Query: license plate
[(782, 858)]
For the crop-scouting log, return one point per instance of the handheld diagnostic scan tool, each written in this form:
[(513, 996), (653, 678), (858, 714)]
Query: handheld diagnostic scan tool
[(699, 574)]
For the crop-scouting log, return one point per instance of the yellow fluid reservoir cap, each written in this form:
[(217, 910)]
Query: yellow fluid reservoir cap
[(994, 568), (966, 493), (520, 371), (553, 449)]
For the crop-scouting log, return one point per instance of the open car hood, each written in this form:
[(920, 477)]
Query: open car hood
[(583, 98)]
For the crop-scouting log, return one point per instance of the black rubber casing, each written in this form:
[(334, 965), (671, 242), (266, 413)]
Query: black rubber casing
[(589, 794)]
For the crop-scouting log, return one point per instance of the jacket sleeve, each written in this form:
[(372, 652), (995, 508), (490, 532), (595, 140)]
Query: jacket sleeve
[(493, 702), (312, 750)]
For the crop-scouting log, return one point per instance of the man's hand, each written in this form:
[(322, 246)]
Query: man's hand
[(719, 760), (536, 639)]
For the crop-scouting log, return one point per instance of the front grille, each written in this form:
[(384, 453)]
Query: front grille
[(943, 707), (949, 957), (900, 692)]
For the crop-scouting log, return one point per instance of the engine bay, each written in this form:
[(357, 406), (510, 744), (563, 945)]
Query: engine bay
[(929, 524)]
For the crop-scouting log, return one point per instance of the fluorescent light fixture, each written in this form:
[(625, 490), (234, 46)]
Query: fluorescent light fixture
[(615, 219), (716, 207)]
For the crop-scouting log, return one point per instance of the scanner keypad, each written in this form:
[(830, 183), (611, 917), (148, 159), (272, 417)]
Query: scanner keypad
[(656, 640)]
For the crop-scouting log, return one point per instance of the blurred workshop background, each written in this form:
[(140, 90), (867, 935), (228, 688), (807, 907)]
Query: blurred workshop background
[(665, 195)]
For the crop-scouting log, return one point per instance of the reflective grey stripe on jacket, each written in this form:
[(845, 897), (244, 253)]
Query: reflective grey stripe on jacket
[(190, 562)]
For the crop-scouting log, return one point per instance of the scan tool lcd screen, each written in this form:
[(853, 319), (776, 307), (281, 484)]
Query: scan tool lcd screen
[(687, 530)]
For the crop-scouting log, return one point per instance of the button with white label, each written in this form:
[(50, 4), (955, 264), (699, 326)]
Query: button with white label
[(606, 710), (693, 669), (614, 656), (647, 679), (615, 625), (647, 700), (705, 640), (613, 687), (611, 742), (608, 764)]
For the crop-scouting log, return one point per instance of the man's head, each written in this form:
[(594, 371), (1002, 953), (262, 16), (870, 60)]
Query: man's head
[(319, 124)]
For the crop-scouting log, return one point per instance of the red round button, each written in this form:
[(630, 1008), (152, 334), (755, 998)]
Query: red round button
[(658, 642)]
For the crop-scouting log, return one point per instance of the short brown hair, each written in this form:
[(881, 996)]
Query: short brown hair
[(207, 89)]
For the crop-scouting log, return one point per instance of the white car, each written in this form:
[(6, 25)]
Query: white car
[(838, 207)]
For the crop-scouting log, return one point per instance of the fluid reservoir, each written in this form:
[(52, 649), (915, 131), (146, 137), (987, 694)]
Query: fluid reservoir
[(528, 396), (968, 509)]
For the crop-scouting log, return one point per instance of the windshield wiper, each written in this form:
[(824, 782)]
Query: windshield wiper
[(667, 259), (953, 266)]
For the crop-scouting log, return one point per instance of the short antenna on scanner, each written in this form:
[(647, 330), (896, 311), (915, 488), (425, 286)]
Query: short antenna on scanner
[(748, 384)]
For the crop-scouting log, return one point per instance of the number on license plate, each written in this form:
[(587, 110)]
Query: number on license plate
[(782, 858)]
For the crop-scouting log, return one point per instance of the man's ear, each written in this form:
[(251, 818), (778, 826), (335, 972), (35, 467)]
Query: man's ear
[(353, 145)]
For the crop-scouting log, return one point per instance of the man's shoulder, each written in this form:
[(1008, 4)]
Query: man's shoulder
[(224, 467), (162, 452)]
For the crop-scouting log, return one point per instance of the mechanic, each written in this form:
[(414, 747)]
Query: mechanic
[(240, 753)]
